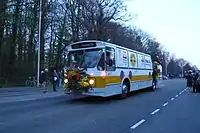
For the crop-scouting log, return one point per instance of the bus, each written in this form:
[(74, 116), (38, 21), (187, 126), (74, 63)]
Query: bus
[(116, 70)]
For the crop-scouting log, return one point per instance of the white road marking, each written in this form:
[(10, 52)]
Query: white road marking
[(165, 104), (137, 124), (155, 111)]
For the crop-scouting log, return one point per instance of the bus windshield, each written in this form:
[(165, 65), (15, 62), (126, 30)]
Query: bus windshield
[(85, 58)]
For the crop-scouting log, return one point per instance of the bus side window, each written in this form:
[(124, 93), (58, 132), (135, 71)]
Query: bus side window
[(110, 59), (101, 64)]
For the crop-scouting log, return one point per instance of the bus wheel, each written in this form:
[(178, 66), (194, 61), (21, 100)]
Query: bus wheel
[(125, 90)]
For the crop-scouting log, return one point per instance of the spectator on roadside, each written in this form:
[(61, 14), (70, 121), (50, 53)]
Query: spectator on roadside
[(44, 79), (55, 80), (155, 77), (60, 78), (190, 80), (45, 84), (195, 80)]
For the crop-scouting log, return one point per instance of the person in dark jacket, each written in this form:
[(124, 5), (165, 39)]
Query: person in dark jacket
[(190, 80), (195, 80), (42, 77), (44, 80), (55, 80)]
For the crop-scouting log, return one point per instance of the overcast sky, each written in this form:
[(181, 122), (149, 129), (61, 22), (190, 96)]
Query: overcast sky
[(174, 23)]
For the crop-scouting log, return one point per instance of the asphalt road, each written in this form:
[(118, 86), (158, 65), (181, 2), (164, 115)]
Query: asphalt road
[(171, 109)]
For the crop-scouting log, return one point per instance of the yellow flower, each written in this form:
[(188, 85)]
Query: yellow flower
[(85, 84)]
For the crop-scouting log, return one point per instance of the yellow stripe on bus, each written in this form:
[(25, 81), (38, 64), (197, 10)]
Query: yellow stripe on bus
[(100, 82)]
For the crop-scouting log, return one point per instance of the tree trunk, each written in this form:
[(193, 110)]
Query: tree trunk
[(2, 22), (20, 42), (14, 37), (31, 47)]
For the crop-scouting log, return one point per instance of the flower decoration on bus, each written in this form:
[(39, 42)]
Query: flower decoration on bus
[(133, 59), (76, 80)]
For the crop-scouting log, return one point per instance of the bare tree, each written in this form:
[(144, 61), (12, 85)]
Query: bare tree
[(63, 22), (97, 13)]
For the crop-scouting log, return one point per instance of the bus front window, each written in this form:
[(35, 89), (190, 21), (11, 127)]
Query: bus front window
[(101, 64), (85, 59)]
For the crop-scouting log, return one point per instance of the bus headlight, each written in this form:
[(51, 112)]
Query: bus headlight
[(91, 81), (66, 81)]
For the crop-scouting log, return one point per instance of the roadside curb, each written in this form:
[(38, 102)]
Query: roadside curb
[(19, 89), (33, 98)]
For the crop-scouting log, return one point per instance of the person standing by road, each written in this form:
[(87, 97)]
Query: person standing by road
[(155, 74), (44, 80), (155, 77), (45, 83), (55, 80), (60, 78), (190, 79), (195, 82)]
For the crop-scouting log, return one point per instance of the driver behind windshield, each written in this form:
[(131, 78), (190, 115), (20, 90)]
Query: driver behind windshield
[(101, 65)]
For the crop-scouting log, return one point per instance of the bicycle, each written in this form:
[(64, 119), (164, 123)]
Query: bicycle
[(31, 81)]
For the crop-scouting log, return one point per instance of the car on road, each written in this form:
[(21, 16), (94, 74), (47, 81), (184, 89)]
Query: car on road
[(165, 77)]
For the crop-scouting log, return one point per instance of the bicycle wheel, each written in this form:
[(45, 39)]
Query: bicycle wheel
[(34, 83), (28, 83)]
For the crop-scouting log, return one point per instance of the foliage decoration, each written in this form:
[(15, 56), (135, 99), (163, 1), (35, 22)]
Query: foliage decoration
[(76, 81)]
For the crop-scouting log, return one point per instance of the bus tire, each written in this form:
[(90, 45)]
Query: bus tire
[(125, 89)]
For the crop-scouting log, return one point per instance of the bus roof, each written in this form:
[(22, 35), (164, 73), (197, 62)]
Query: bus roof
[(110, 44)]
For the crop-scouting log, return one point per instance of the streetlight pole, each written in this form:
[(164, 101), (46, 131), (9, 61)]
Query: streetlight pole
[(182, 64), (38, 60)]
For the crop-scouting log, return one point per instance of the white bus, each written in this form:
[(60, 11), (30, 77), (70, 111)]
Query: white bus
[(115, 69)]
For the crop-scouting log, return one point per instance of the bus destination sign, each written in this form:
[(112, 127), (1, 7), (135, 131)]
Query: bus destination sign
[(84, 45)]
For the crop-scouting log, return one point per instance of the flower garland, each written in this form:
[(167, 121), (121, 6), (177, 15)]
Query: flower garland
[(76, 80)]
